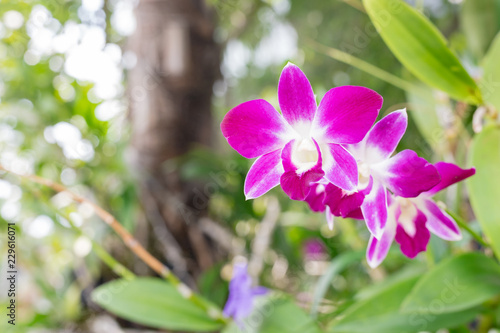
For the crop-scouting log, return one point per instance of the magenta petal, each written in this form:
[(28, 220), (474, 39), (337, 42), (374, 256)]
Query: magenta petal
[(295, 95), (340, 167), (263, 175), (383, 138), (450, 174), (356, 214), (254, 128), (406, 174), (297, 184), (330, 219), (378, 248), (315, 197), (411, 245), (374, 208), (342, 203), (439, 222), (345, 114)]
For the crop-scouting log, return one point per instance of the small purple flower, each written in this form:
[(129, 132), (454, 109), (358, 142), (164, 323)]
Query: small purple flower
[(410, 220), (240, 302), (303, 144), (314, 249), (404, 174)]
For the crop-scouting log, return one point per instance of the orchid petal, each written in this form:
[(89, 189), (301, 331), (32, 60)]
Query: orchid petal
[(240, 302), (450, 174), (382, 140), (329, 218), (255, 128), (315, 197), (340, 167), (356, 214), (342, 203), (378, 248), (346, 113), (263, 175), (297, 182), (406, 174), (374, 208), (296, 96), (439, 222), (411, 245)]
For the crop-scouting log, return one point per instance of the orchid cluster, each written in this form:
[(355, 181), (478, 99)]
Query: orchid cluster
[(336, 159)]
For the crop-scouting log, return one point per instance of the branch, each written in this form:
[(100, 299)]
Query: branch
[(132, 244)]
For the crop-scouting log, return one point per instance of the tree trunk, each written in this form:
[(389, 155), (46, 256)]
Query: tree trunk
[(170, 91)]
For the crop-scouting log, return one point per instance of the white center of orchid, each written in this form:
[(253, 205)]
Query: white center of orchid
[(408, 215), (363, 174), (304, 154)]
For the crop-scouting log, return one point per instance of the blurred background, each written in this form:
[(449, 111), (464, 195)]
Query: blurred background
[(121, 101)]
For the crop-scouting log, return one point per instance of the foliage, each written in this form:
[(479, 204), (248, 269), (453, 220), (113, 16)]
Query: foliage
[(449, 56)]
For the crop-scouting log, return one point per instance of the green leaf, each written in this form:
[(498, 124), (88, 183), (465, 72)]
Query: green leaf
[(421, 48), (336, 266), (155, 303), (423, 110), (480, 24), (380, 313), (457, 284), (490, 83), (484, 186), (276, 314)]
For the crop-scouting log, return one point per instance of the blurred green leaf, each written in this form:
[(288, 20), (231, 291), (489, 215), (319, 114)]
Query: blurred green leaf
[(484, 186), (490, 83), (423, 110), (276, 314), (459, 283), (153, 302), (480, 23), (421, 48), (337, 265), (380, 313)]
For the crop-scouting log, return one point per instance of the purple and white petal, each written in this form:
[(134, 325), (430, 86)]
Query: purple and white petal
[(415, 241), (329, 218), (378, 248), (296, 97), (301, 169), (342, 203), (382, 140), (316, 197), (263, 175), (346, 113), (255, 128), (450, 174), (374, 208), (406, 174), (340, 167), (439, 222)]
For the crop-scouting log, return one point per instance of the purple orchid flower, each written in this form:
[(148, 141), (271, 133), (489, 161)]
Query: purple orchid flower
[(314, 249), (304, 143), (410, 220), (328, 198), (404, 174), (240, 302)]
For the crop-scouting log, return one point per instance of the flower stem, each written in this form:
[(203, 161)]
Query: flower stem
[(132, 244), (462, 224), (104, 255)]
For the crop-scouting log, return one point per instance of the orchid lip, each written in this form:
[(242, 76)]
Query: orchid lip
[(304, 155), (363, 174), (408, 214)]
